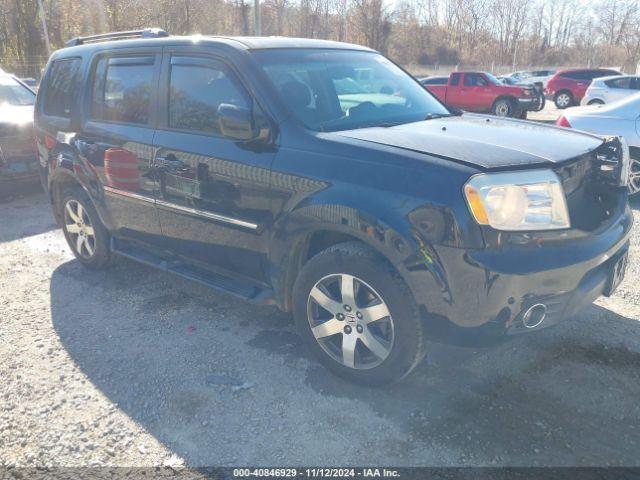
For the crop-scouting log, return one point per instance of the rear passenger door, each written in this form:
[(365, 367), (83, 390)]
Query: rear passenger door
[(212, 191), (117, 138)]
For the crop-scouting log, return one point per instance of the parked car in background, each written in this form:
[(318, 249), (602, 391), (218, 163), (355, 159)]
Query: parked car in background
[(609, 89), (620, 118), (532, 77), (18, 160), (434, 80), (567, 87), (482, 92)]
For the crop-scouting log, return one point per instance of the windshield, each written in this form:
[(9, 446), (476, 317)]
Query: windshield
[(13, 93), (493, 79), (331, 90)]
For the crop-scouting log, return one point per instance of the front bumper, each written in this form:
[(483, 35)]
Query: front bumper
[(492, 287)]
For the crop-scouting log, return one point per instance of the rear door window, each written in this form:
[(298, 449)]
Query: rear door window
[(61, 87), (122, 89), (455, 78)]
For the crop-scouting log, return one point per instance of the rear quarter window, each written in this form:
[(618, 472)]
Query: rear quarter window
[(61, 88)]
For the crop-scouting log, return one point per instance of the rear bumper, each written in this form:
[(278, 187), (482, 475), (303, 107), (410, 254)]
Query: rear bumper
[(491, 288)]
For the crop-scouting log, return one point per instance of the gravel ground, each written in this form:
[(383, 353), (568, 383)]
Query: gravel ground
[(134, 367)]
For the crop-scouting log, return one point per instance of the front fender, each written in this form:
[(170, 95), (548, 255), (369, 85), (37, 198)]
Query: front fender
[(404, 239)]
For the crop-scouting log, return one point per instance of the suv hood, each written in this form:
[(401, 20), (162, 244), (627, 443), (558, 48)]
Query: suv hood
[(482, 141)]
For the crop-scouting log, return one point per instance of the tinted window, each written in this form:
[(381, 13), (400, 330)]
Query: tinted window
[(13, 93), (624, 82), (122, 90), (455, 79), (196, 92), (61, 87), (474, 80)]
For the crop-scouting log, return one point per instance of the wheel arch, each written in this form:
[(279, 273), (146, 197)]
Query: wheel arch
[(294, 243)]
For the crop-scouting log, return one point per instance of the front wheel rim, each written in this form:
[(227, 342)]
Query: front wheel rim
[(350, 321), (79, 228), (502, 110), (634, 177)]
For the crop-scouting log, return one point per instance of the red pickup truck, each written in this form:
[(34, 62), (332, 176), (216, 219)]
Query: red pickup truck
[(482, 92)]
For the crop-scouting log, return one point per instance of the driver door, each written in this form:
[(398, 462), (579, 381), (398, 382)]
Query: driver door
[(474, 91)]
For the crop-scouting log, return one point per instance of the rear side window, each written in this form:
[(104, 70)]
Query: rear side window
[(624, 82), (196, 92), (122, 88), (455, 79), (61, 87)]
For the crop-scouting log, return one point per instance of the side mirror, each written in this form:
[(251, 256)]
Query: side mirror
[(236, 122)]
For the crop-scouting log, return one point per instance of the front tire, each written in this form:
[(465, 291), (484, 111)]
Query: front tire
[(504, 107), (634, 173), (563, 99), (86, 235), (357, 315), (595, 102)]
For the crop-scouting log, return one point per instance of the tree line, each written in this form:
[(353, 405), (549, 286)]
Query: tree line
[(427, 33)]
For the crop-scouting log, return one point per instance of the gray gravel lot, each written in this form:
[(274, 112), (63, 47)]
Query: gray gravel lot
[(134, 367)]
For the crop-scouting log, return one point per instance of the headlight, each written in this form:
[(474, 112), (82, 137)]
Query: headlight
[(525, 200)]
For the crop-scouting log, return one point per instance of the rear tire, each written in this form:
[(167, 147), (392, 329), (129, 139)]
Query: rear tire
[(563, 99), (86, 235), (595, 101), (357, 315)]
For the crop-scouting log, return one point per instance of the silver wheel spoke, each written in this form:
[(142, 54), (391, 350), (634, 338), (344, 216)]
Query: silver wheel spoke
[(79, 244), (324, 301), (376, 312), (71, 213), (377, 348), (347, 289), (80, 212), (89, 230), (349, 350), (328, 328), (87, 245), (72, 228)]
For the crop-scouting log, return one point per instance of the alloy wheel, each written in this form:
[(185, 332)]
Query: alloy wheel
[(503, 109), (634, 176), (563, 100), (79, 228), (350, 321)]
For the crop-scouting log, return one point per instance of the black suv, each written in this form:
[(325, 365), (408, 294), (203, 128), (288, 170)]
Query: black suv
[(320, 177)]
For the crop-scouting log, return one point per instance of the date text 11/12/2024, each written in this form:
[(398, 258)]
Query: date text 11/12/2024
[(316, 473)]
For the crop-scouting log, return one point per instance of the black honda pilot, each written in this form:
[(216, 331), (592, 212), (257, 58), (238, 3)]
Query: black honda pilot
[(320, 177)]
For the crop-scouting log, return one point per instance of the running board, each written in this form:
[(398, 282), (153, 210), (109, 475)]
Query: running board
[(244, 290)]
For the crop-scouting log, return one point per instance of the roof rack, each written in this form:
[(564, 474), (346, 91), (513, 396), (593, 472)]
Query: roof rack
[(104, 37)]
